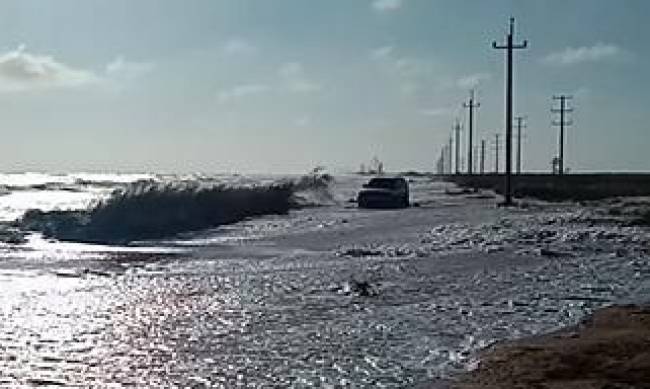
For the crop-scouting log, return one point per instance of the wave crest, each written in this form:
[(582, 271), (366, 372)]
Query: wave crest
[(147, 210), (313, 189)]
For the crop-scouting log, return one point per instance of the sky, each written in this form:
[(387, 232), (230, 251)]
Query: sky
[(286, 85)]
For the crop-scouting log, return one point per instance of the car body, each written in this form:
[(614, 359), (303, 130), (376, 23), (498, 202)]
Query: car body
[(384, 192)]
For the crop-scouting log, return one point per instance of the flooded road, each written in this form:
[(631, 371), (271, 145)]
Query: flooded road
[(276, 302)]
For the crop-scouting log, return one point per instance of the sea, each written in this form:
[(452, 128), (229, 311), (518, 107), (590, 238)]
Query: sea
[(280, 281)]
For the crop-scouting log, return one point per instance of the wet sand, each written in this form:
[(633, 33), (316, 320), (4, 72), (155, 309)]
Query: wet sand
[(610, 349)]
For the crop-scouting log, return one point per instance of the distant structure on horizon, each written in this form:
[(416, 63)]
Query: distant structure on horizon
[(375, 167)]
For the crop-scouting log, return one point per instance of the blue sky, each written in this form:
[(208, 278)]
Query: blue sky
[(284, 85)]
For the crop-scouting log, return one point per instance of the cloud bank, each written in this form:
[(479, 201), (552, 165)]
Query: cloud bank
[(21, 70), (387, 5), (573, 56), (239, 92), (473, 80), (294, 77)]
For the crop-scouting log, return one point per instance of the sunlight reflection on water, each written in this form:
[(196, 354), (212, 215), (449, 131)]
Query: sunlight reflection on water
[(238, 311)]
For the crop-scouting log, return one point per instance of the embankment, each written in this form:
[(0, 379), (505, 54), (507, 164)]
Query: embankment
[(610, 349), (569, 187)]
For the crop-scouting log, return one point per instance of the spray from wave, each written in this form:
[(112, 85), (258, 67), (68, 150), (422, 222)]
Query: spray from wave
[(149, 210)]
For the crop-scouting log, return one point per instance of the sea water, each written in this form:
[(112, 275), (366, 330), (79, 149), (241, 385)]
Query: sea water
[(274, 301)]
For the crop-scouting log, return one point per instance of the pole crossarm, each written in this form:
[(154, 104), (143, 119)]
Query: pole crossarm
[(565, 123), (510, 45), (524, 45)]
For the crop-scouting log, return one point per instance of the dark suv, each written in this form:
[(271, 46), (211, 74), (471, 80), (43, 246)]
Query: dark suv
[(384, 192)]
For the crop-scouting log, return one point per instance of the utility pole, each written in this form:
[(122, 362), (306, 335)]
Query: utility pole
[(449, 156), (496, 154), (509, 46), (562, 123), (520, 125), (482, 156), (440, 163), (447, 160), (443, 159), (470, 106), (457, 130)]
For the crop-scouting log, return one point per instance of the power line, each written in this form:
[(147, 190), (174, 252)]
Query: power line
[(562, 123), (470, 106), (509, 47)]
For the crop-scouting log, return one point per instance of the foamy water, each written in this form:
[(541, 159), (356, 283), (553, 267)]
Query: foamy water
[(274, 301)]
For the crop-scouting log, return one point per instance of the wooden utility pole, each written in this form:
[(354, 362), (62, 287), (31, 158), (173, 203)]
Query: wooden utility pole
[(563, 110), (483, 156), (443, 159), (496, 154), (449, 156), (470, 106), (520, 125), (457, 131), (509, 47)]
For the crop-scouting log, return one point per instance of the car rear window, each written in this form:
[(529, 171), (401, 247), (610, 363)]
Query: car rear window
[(384, 183)]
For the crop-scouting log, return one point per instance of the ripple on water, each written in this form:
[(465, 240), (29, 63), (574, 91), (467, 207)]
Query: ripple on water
[(289, 322)]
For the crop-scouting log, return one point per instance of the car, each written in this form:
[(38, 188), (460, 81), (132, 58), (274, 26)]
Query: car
[(384, 192)]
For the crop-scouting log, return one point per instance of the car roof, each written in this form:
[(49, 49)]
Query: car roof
[(388, 178)]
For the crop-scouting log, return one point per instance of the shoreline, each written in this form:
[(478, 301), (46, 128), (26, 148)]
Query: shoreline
[(608, 349)]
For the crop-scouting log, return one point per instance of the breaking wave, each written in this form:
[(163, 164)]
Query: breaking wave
[(313, 189), (147, 210)]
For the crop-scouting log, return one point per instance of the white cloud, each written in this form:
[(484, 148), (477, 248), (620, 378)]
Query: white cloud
[(596, 53), (409, 88), (303, 121), (403, 66), (304, 86), (240, 92), (122, 69), (436, 111), (295, 79), (473, 80), (386, 5), (582, 93), (412, 77), (21, 70), (291, 69), (239, 46), (381, 53)]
